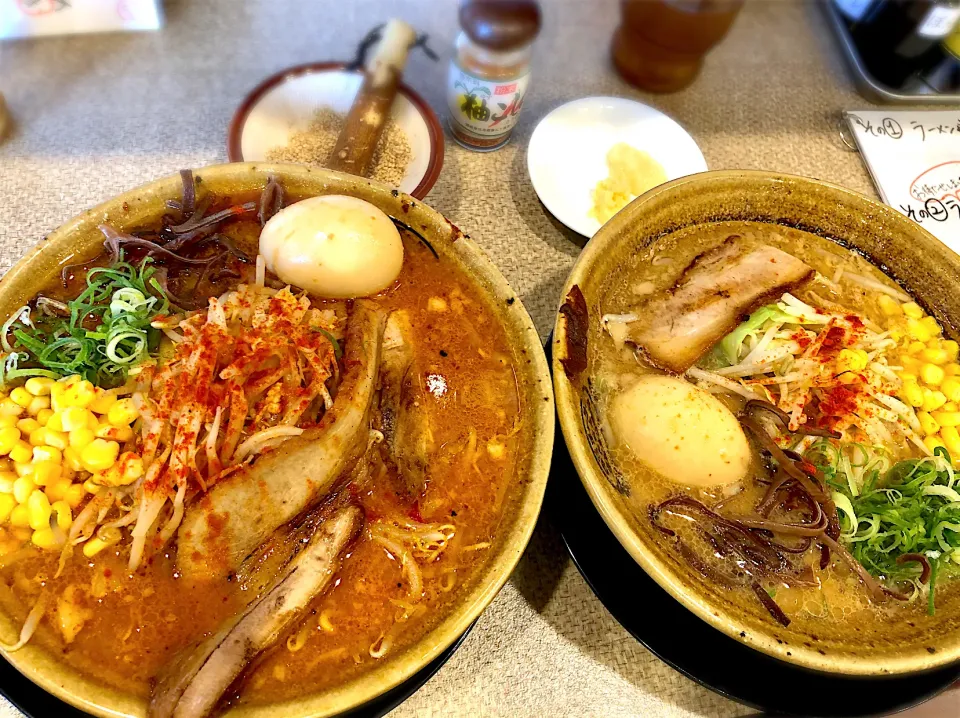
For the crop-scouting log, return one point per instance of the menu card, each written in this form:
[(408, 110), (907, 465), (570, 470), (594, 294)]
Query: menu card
[(914, 158), (24, 18)]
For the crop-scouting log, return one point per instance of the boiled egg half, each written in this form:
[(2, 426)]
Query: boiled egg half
[(681, 431), (333, 246)]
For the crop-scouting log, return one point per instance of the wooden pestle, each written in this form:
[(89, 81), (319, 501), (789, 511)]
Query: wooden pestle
[(371, 107)]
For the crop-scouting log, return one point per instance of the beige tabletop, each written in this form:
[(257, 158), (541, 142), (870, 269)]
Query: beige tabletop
[(96, 115)]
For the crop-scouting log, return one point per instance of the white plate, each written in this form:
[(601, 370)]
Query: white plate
[(286, 103), (568, 152)]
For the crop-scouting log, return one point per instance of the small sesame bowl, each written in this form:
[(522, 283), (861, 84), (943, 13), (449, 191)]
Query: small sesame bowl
[(294, 116)]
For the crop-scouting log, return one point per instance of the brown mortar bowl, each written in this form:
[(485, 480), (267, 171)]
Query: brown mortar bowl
[(901, 248), (80, 239)]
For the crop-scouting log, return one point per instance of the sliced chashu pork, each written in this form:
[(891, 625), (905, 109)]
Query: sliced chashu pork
[(406, 426), (712, 296), (238, 514), (194, 682)]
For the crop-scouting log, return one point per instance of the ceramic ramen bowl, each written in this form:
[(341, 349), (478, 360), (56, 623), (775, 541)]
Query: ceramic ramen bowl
[(902, 249), (145, 205)]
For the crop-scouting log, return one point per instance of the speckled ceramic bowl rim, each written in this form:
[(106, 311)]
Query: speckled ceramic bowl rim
[(616, 517), (129, 208)]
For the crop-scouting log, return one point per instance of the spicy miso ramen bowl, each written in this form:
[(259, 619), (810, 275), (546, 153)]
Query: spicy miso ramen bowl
[(41, 660), (894, 638)]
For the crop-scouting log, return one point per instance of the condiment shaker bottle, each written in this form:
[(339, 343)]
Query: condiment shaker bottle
[(490, 70)]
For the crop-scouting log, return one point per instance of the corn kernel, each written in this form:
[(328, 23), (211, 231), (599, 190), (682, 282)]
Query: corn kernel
[(47, 453), (22, 488), (946, 418), (951, 388), (68, 380), (123, 412), (928, 425), (914, 348), (38, 506), (73, 417), (932, 399), (38, 404), (6, 482), (9, 437), (43, 416), (7, 504), (103, 402), (932, 326), (61, 511), (932, 442), (8, 421), (910, 363), (889, 306), (19, 516), (55, 422), (39, 385), (43, 538), (912, 393), (951, 347), (74, 496), (56, 398), (95, 545), (57, 439), (951, 439), (9, 406), (21, 451), (23, 468), (90, 486), (71, 458), (950, 406), (115, 433), (81, 437), (45, 472), (21, 396), (80, 394), (129, 468), (99, 455), (912, 310), (851, 360), (57, 490), (47, 436), (935, 356), (28, 425), (931, 374), (918, 332)]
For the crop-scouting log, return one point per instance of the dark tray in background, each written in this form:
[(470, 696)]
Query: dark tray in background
[(868, 86)]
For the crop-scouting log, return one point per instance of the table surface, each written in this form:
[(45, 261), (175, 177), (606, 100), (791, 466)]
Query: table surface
[(96, 115)]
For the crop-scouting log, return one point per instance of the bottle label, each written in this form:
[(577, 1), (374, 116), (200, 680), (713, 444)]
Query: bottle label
[(938, 22), (485, 109), (853, 9)]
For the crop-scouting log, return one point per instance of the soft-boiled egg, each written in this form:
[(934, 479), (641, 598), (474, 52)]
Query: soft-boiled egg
[(681, 431), (333, 246)]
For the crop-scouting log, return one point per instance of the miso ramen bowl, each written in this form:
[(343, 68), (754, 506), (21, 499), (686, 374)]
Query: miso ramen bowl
[(144, 205), (902, 249)]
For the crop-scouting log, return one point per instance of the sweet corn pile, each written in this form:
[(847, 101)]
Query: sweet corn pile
[(930, 375), (61, 441)]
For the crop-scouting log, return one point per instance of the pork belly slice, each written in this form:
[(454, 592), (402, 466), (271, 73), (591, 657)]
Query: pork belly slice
[(239, 512), (194, 682), (407, 433), (712, 296)]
